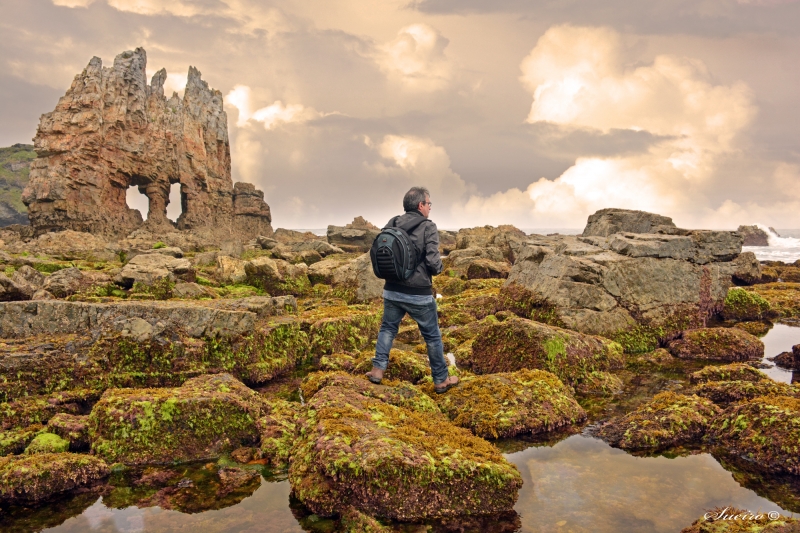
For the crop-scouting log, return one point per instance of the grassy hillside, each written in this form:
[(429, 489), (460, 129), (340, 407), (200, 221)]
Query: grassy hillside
[(14, 169)]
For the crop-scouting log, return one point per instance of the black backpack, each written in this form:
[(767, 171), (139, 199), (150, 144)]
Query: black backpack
[(394, 256)]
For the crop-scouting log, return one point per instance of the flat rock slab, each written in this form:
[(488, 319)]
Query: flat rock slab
[(25, 319), (391, 462)]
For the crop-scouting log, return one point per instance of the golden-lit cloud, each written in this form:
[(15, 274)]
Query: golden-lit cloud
[(416, 58), (270, 116), (579, 79)]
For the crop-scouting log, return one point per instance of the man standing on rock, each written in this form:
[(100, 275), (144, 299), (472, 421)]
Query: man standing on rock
[(415, 295)]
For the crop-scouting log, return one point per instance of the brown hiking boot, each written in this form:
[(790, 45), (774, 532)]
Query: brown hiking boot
[(375, 375), (446, 385)]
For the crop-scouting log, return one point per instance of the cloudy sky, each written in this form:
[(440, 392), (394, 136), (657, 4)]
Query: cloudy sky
[(530, 112)]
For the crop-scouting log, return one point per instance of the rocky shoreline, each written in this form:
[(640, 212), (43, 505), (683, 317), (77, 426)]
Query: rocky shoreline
[(130, 347)]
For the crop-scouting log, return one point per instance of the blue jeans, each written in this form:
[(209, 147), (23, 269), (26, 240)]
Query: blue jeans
[(427, 319)]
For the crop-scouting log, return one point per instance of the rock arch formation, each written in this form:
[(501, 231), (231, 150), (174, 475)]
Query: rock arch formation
[(112, 130)]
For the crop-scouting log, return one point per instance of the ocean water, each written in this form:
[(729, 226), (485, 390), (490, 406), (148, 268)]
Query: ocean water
[(783, 246)]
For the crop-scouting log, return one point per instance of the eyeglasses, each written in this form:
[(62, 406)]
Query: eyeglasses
[(429, 204)]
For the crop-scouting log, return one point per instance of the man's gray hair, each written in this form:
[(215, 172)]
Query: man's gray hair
[(414, 196)]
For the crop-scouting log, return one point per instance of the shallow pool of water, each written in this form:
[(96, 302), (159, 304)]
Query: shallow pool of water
[(780, 338)]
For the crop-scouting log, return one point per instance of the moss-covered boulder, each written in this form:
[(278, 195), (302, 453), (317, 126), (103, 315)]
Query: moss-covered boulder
[(764, 430), (516, 344), (47, 443), (667, 420), (717, 344), (14, 441), (278, 427), (73, 428), (387, 461), (731, 372), (341, 328), (509, 403), (741, 305), (203, 419), (783, 297), (725, 392), (734, 520), (396, 393), (36, 477), (403, 365)]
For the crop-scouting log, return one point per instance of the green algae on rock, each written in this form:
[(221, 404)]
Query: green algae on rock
[(741, 305), (73, 428), (717, 344), (47, 443), (167, 358), (278, 427), (400, 394), (725, 392), (39, 409), (354, 521), (341, 328), (14, 441), (759, 329), (667, 420), (35, 477), (783, 297), (734, 520), (391, 462), (403, 365), (731, 372), (765, 430), (509, 403), (203, 419), (517, 343)]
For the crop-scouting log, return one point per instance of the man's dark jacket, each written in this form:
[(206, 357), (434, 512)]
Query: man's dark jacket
[(426, 241)]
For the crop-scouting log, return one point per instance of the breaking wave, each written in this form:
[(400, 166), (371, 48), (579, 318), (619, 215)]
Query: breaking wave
[(786, 249)]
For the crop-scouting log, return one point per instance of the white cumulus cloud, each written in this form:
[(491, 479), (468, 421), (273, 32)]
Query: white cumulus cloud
[(579, 79), (416, 58), (270, 116)]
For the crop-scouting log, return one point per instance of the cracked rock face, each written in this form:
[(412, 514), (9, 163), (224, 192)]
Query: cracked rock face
[(672, 279), (112, 130)]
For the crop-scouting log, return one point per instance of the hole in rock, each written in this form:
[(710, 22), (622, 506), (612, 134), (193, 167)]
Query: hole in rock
[(137, 200), (174, 208)]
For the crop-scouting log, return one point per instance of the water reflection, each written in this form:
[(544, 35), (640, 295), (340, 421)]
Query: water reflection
[(266, 510), (583, 485), (780, 338)]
